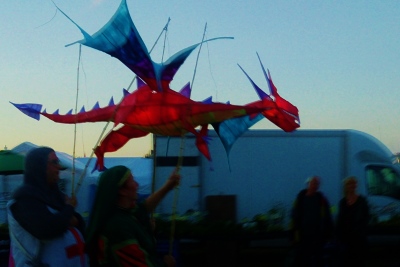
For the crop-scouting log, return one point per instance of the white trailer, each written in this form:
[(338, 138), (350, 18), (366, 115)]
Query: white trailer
[(267, 168)]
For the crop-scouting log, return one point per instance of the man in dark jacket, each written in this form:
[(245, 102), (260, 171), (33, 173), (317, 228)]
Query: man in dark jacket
[(312, 224)]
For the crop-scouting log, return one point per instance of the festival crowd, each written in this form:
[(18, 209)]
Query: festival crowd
[(45, 229)]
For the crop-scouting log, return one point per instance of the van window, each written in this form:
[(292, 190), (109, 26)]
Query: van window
[(383, 181)]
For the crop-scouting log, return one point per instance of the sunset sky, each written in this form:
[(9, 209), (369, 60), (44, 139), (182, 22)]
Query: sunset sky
[(337, 61)]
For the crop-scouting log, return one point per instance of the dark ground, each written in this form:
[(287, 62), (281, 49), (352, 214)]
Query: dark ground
[(221, 254), (269, 257), (230, 253)]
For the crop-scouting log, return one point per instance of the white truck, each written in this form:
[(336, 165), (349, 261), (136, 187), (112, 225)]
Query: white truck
[(266, 169)]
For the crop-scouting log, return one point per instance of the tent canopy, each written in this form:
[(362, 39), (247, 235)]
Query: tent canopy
[(142, 169), (65, 159), (11, 163)]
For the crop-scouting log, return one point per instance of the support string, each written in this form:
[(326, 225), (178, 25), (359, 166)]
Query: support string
[(180, 160)]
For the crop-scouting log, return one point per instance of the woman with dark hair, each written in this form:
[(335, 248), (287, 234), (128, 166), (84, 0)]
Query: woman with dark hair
[(44, 228), (119, 231)]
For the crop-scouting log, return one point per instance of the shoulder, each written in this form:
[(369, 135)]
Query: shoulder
[(120, 220), (301, 194), (343, 203), (24, 191), (363, 200), (26, 201), (28, 192), (141, 209), (322, 196), (119, 227)]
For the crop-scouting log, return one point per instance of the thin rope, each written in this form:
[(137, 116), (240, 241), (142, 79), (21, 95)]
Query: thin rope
[(176, 196), (55, 13), (212, 74), (153, 180), (105, 127), (180, 161), (76, 108), (165, 39), (198, 55), (153, 186)]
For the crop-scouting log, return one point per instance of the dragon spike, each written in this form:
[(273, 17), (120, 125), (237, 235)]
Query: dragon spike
[(69, 112), (57, 112), (267, 76), (139, 82), (82, 110), (271, 85), (186, 90), (208, 100), (261, 93), (125, 92), (44, 111), (111, 103), (96, 106), (262, 67)]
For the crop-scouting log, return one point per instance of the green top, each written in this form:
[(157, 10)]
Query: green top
[(117, 236), (127, 239)]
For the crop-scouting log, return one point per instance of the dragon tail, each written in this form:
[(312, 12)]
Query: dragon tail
[(30, 109)]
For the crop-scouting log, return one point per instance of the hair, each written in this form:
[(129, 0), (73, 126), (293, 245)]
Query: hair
[(349, 179), (35, 180), (346, 181), (309, 179), (36, 166), (104, 206)]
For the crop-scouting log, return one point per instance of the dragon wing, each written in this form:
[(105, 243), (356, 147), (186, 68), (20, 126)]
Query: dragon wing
[(120, 39)]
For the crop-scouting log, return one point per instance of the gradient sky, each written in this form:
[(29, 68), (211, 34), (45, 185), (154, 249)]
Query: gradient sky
[(337, 61)]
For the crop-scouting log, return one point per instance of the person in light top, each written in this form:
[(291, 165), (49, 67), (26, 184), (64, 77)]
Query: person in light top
[(45, 229)]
